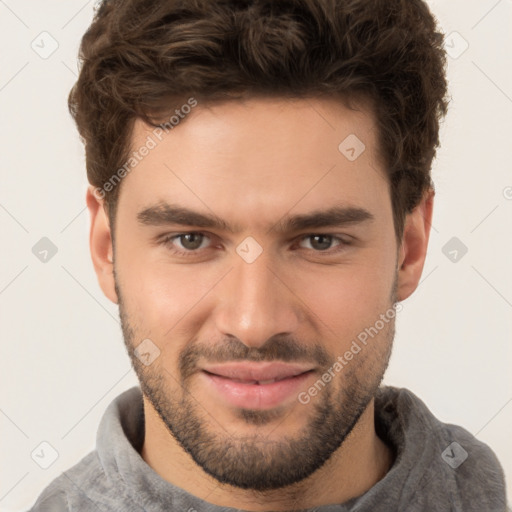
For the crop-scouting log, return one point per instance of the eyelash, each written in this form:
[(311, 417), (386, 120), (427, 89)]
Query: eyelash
[(168, 239)]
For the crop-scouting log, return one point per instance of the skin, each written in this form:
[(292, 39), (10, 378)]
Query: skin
[(253, 164)]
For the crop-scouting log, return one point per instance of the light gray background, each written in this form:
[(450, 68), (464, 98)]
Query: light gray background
[(62, 356)]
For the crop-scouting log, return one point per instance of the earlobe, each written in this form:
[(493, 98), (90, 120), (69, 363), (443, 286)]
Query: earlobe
[(100, 242), (413, 249)]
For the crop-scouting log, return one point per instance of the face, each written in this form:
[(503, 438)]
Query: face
[(253, 254)]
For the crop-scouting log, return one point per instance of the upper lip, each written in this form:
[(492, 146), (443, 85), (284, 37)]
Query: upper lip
[(251, 371)]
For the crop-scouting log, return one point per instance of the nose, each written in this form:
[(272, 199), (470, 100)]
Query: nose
[(255, 303)]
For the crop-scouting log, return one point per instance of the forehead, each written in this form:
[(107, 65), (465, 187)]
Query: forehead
[(259, 158)]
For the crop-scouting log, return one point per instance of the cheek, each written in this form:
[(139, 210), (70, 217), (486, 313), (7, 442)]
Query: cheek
[(165, 306), (343, 302), (164, 299)]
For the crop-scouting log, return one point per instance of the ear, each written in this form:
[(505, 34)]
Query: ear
[(413, 249), (100, 243)]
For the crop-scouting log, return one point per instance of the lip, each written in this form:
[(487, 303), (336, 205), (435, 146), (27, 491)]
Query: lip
[(246, 385), (250, 371)]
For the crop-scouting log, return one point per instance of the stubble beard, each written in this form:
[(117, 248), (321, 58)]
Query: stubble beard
[(254, 461)]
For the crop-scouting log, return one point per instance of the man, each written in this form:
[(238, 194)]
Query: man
[(260, 205)]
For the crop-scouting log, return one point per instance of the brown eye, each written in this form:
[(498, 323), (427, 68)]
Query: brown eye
[(320, 242), (191, 241), (186, 243)]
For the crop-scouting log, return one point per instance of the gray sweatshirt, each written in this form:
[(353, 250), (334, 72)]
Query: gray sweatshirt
[(438, 467)]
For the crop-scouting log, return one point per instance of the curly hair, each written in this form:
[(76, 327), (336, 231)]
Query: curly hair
[(143, 58)]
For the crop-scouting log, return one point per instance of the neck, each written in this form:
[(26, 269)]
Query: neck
[(360, 462)]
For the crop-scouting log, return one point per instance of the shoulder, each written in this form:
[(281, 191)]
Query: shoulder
[(478, 475), (449, 462), (70, 490), (51, 500)]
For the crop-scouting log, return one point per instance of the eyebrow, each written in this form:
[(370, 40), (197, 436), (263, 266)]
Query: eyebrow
[(337, 216)]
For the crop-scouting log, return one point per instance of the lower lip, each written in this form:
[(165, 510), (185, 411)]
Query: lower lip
[(256, 396)]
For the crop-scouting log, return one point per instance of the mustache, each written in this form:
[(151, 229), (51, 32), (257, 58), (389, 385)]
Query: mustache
[(277, 348)]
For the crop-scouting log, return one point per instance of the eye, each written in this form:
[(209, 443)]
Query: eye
[(321, 242), (186, 242)]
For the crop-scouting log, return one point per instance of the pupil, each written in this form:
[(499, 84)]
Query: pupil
[(191, 240), (321, 242)]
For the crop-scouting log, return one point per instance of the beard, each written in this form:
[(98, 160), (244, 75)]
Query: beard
[(257, 462)]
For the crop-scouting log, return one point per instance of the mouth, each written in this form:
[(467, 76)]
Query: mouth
[(256, 385), (259, 382)]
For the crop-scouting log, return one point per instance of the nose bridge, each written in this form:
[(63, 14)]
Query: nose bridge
[(254, 304)]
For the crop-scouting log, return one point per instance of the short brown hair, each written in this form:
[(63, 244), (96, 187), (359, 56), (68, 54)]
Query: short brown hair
[(142, 58)]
